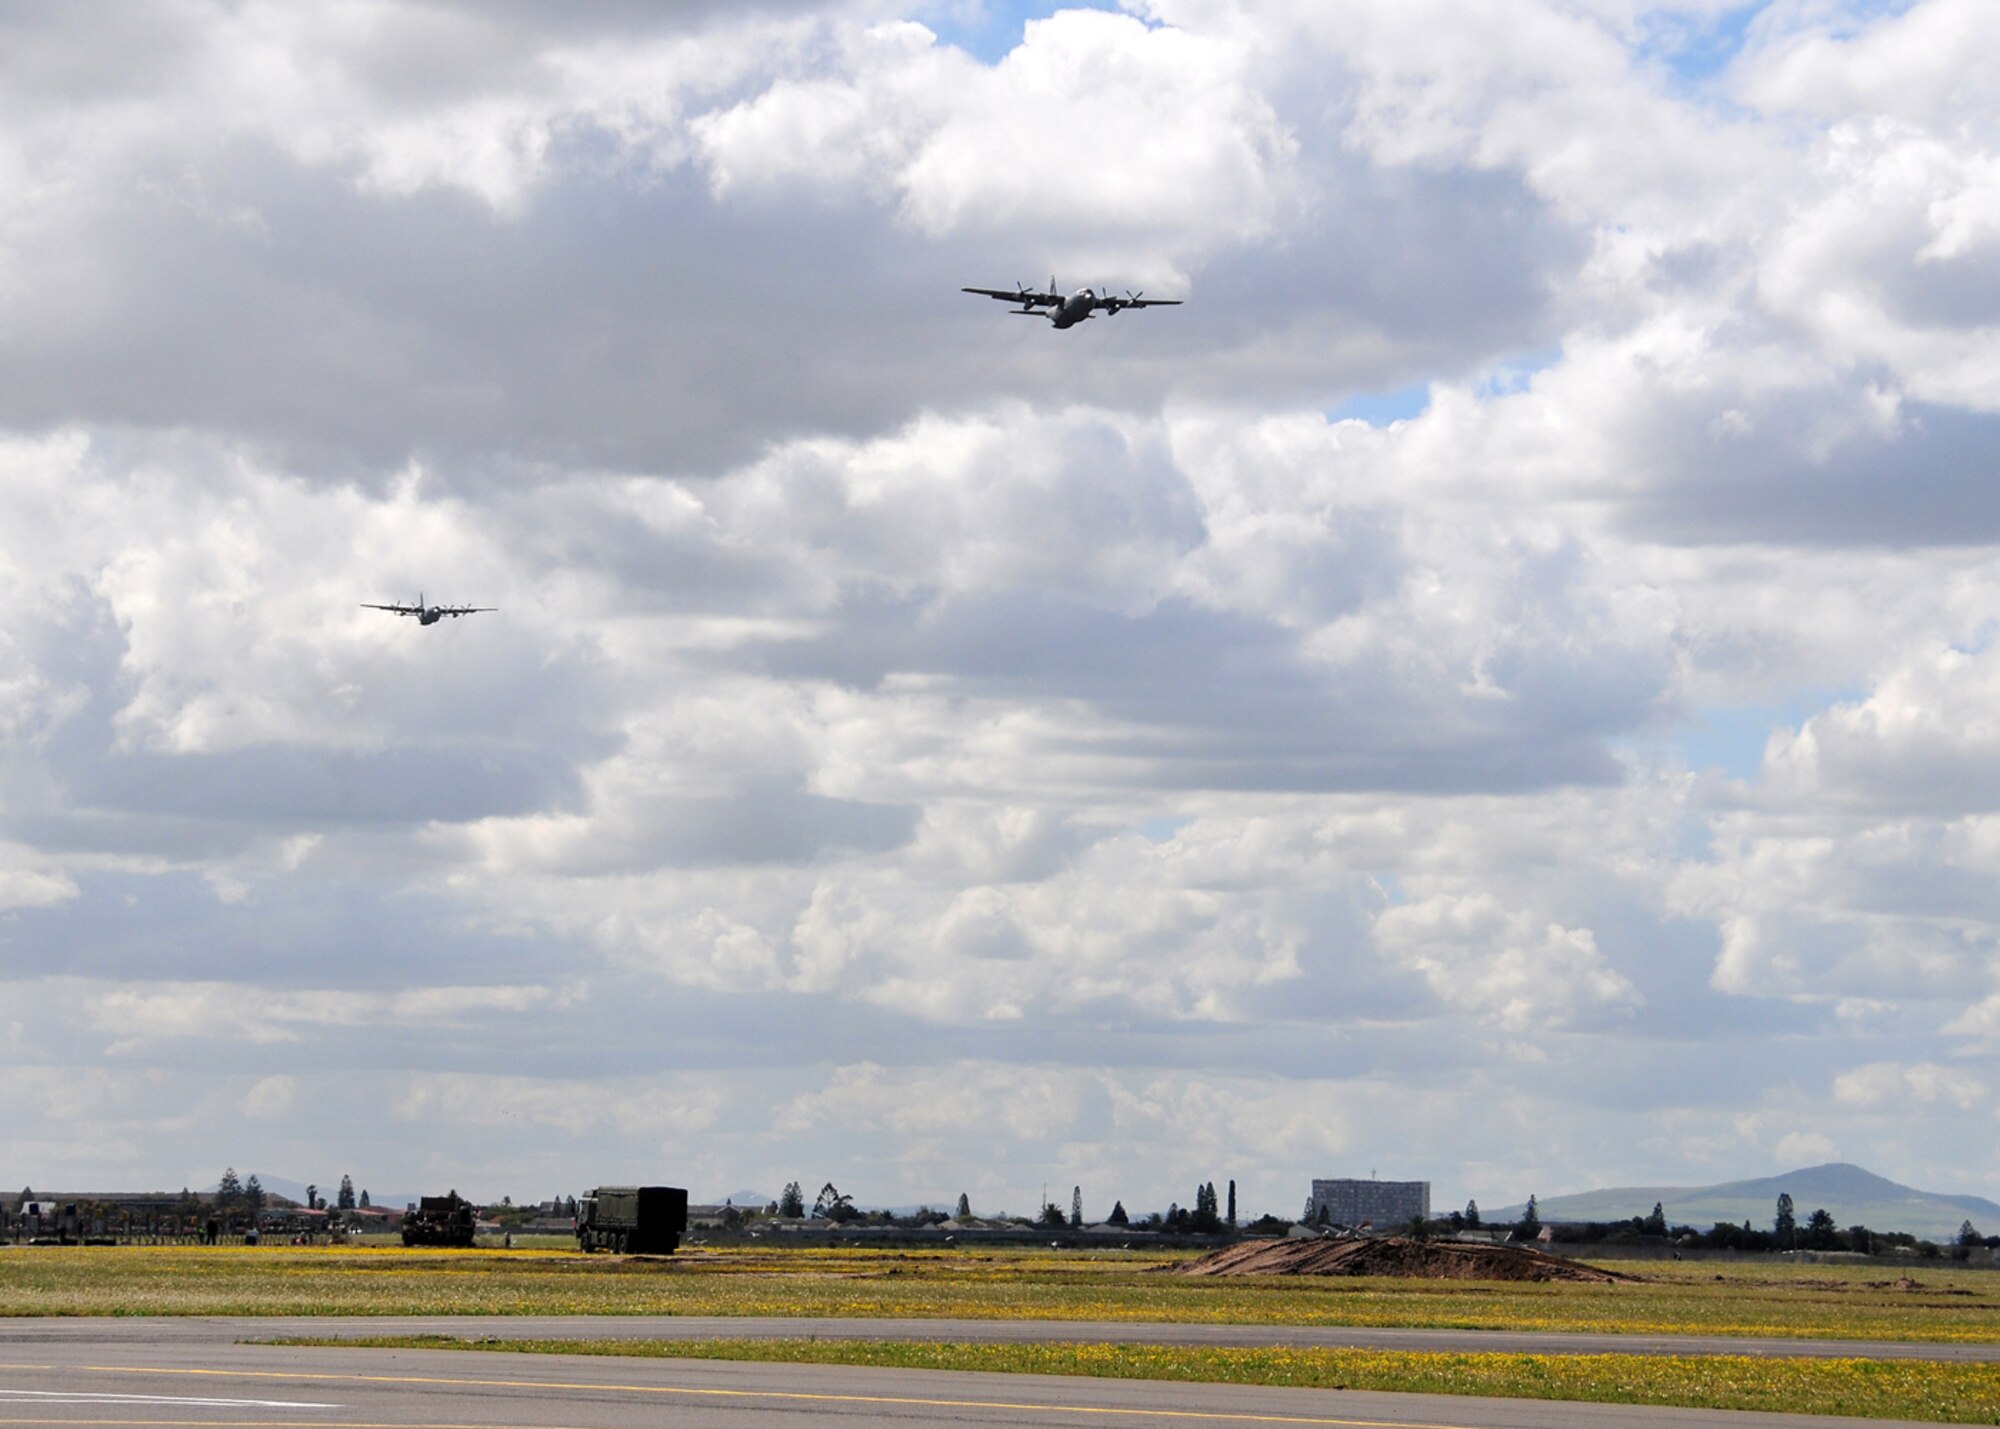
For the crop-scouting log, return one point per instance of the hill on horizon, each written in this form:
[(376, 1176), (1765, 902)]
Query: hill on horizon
[(1853, 1196)]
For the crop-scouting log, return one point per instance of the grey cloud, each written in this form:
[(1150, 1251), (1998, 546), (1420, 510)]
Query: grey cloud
[(83, 54), (506, 735), (1927, 484), (117, 50), (1960, 292), (689, 571), (620, 324), (1227, 701), (763, 820), (1859, 770), (625, 320), (1923, 885), (290, 784), (1393, 276), (1344, 984), (573, 19), (287, 932)]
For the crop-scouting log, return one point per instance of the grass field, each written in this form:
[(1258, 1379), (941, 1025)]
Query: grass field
[(1878, 1389), (1677, 1297)]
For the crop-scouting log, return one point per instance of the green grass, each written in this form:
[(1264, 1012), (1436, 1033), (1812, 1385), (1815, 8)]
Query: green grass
[(1677, 1298), (1876, 1389)]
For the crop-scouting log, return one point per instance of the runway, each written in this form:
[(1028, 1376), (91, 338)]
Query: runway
[(191, 1382), (197, 1373), (219, 1330)]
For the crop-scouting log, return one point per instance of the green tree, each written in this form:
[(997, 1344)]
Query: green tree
[(1656, 1223), (1820, 1229), (1118, 1216), (228, 1191), (1530, 1224), (1969, 1237), (1052, 1215), (344, 1199), (253, 1195), (1232, 1200), (964, 1211), (1861, 1239), (1472, 1214), (833, 1205), (792, 1203), (1206, 1217), (1076, 1205), (364, 1198), (1785, 1224)]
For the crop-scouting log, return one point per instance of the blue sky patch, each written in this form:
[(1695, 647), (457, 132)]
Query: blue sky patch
[(1731, 738), (1695, 51), (988, 29), (1378, 409), (1980, 640), (1513, 374)]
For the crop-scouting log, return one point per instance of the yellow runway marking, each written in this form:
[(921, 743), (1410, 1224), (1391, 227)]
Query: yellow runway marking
[(687, 1392)]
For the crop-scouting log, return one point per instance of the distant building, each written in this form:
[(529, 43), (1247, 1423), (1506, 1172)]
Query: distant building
[(1378, 1203)]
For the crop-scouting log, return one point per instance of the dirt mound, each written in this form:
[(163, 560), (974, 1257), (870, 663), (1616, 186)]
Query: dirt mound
[(1430, 1260)]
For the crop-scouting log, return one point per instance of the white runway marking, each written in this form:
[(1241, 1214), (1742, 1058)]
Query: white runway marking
[(65, 1396)]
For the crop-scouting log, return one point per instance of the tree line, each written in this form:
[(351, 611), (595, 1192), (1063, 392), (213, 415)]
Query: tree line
[(247, 1197), (1207, 1216), (1818, 1231)]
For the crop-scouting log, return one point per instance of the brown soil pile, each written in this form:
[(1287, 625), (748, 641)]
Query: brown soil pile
[(1429, 1260)]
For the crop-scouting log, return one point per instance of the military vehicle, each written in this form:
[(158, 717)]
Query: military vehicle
[(439, 1220), (632, 1220)]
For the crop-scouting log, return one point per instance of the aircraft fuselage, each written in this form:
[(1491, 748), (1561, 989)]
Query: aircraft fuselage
[(1075, 308), (429, 615)]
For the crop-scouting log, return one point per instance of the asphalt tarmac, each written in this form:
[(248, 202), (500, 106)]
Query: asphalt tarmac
[(218, 1330), (196, 1373)]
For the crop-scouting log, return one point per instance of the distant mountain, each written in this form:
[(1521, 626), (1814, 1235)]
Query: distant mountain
[(1852, 1195)]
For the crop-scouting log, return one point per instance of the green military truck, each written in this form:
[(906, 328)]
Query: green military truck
[(439, 1220), (632, 1220)]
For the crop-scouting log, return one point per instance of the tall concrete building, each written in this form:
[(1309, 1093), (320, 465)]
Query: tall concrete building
[(1382, 1204)]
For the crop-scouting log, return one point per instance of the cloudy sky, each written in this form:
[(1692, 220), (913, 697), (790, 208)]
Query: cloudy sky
[(1499, 687)]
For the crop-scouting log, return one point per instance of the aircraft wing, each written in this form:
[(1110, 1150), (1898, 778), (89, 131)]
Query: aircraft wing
[(1115, 304), (1018, 295), (399, 609), (465, 609)]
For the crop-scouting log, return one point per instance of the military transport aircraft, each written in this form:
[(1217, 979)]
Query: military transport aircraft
[(1078, 307), (430, 614)]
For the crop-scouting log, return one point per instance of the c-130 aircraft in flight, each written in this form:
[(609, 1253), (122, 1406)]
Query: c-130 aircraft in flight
[(430, 614), (1078, 307)]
